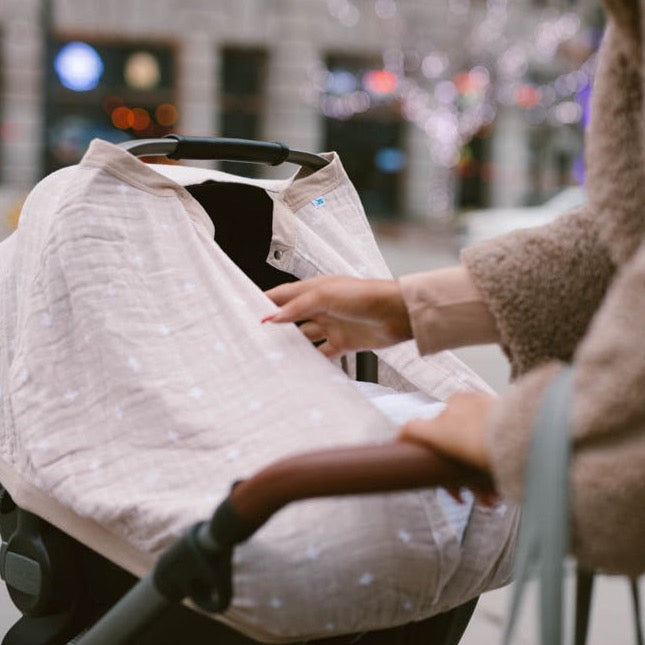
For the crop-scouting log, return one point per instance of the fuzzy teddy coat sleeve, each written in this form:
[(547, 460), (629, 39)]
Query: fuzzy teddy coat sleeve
[(542, 286), (608, 428)]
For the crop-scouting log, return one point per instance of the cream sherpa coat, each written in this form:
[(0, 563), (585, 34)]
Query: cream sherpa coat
[(574, 290)]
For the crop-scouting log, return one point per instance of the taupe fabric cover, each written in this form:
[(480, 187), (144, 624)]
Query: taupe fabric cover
[(138, 384)]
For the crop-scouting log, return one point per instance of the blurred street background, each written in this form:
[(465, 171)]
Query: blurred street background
[(437, 109)]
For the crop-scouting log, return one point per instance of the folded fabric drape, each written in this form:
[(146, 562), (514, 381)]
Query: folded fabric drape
[(138, 384)]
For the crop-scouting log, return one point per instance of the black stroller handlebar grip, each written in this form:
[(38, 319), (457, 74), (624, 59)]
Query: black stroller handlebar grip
[(177, 146), (246, 150), (394, 466)]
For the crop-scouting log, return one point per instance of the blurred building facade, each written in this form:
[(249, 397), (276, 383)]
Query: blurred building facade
[(396, 86)]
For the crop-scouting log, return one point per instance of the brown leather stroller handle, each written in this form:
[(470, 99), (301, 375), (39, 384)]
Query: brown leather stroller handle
[(393, 466)]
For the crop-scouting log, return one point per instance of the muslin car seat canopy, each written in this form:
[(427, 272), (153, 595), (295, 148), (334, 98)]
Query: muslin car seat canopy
[(138, 384)]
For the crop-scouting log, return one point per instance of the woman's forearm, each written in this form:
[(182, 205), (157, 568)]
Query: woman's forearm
[(446, 310)]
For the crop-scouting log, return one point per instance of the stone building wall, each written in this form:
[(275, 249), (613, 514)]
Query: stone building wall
[(297, 34)]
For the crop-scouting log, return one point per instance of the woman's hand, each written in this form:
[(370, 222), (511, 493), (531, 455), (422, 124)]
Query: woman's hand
[(346, 314), (458, 432)]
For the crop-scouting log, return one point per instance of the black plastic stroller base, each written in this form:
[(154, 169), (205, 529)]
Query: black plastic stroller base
[(183, 627), (44, 630)]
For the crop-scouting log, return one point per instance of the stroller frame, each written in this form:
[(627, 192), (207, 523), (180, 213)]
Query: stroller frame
[(40, 564)]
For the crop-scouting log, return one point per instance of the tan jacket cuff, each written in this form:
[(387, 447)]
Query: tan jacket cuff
[(446, 310)]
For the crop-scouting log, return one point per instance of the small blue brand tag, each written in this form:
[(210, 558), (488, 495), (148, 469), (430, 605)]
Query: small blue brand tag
[(318, 202)]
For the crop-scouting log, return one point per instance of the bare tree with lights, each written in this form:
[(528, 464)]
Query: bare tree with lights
[(489, 59)]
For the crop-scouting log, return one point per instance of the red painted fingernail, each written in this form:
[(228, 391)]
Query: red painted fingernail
[(267, 318)]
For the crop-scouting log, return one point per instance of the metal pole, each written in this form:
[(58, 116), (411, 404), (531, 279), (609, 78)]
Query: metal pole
[(46, 26), (138, 608)]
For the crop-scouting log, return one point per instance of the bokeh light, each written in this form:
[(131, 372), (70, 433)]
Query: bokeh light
[(434, 64), (526, 96), (390, 160), (385, 9), (122, 118), (567, 112), (380, 81), (78, 66), (166, 115), (140, 119), (142, 71), (340, 81)]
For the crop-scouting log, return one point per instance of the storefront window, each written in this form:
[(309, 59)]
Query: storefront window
[(362, 122), (110, 91), (242, 99)]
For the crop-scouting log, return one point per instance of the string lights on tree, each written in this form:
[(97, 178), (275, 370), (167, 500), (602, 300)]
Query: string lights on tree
[(540, 63)]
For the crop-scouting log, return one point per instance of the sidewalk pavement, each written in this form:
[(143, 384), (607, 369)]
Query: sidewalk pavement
[(611, 622)]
